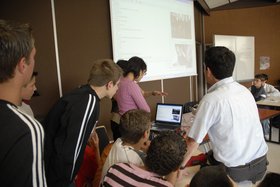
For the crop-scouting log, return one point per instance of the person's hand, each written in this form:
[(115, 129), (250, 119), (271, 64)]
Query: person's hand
[(94, 140), (159, 93), (145, 146), (182, 173)]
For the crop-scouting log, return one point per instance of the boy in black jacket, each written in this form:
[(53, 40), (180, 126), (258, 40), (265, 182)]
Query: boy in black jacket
[(257, 89), (70, 122), (21, 136)]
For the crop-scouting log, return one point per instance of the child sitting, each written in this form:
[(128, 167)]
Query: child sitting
[(135, 130), (257, 88)]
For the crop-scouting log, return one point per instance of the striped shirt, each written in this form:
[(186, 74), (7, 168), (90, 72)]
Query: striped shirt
[(21, 141), (124, 174)]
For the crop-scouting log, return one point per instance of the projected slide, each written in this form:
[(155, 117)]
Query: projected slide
[(159, 31)]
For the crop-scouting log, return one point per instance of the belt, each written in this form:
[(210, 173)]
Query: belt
[(252, 163)]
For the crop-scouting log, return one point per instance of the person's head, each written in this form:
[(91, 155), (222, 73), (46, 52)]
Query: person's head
[(219, 62), (166, 153), (17, 51), (259, 80), (270, 180), (135, 126), (265, 78), (211, 176), (123, 64), (28, 89), (105, 72), (137, 67)]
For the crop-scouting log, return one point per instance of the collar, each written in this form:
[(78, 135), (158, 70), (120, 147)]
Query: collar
[(220, 83)]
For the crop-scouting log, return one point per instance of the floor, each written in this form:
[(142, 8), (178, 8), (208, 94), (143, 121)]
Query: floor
[(273, 158)]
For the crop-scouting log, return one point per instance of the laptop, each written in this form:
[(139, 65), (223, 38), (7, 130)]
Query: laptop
[(168, 117)]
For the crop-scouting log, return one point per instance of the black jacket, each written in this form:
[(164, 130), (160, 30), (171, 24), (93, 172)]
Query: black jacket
[(258, 93), (21, 142), (68, 126)]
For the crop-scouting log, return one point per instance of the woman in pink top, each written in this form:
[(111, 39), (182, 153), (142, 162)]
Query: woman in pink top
[(130, 95)]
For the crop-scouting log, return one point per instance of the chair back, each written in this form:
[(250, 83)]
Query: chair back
[(103, 137)]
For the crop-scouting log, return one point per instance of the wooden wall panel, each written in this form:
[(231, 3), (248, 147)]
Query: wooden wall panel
[(261, 22), (84, 35), (38, 14)]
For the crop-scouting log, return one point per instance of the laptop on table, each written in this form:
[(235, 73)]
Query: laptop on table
[(168, 117)]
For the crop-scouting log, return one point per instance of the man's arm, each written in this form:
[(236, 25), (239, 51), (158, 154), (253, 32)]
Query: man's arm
[(138, 98), (192, 146)]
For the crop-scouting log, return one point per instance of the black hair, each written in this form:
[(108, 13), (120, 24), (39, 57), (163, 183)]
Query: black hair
[(166, 153), (221, 61), (123, 64), (265, 76), (211, 176), (135, 65), (262, 77), (270, 180)]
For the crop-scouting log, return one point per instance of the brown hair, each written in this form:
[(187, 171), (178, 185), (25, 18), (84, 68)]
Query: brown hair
[(104, 71), (16, 42), (133, 125)]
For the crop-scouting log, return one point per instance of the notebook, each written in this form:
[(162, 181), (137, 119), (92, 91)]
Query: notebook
[(168, 117)]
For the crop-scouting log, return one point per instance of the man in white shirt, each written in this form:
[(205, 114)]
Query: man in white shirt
[(229, 115)]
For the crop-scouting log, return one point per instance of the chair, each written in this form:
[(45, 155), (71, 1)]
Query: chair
[(103, 137)]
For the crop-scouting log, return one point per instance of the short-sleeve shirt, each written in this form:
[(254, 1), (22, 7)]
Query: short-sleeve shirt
[(229, 114)]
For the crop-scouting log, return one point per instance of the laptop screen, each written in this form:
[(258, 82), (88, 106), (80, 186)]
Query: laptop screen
[(169, 113)]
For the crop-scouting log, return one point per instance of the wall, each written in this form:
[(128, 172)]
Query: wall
[(38, 14), (262, 22), (84, 35)]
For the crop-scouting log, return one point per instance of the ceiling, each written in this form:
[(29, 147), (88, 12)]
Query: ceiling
[(214, 5)]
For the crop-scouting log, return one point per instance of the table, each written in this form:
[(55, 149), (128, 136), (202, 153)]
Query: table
[(271, 102), (267, 114)]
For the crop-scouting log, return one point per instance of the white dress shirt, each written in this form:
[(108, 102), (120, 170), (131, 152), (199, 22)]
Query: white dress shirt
[(229, 114), (271, 90)]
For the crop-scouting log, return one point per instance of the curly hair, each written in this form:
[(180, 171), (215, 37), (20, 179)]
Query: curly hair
[(166, 153), (133, 125), (211, 176)]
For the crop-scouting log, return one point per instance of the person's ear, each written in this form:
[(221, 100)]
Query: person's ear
[(208, 72), (21, 66), (146, 134), (109, 85)]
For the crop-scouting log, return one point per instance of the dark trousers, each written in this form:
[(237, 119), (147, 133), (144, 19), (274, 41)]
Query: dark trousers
[(252, 171)]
